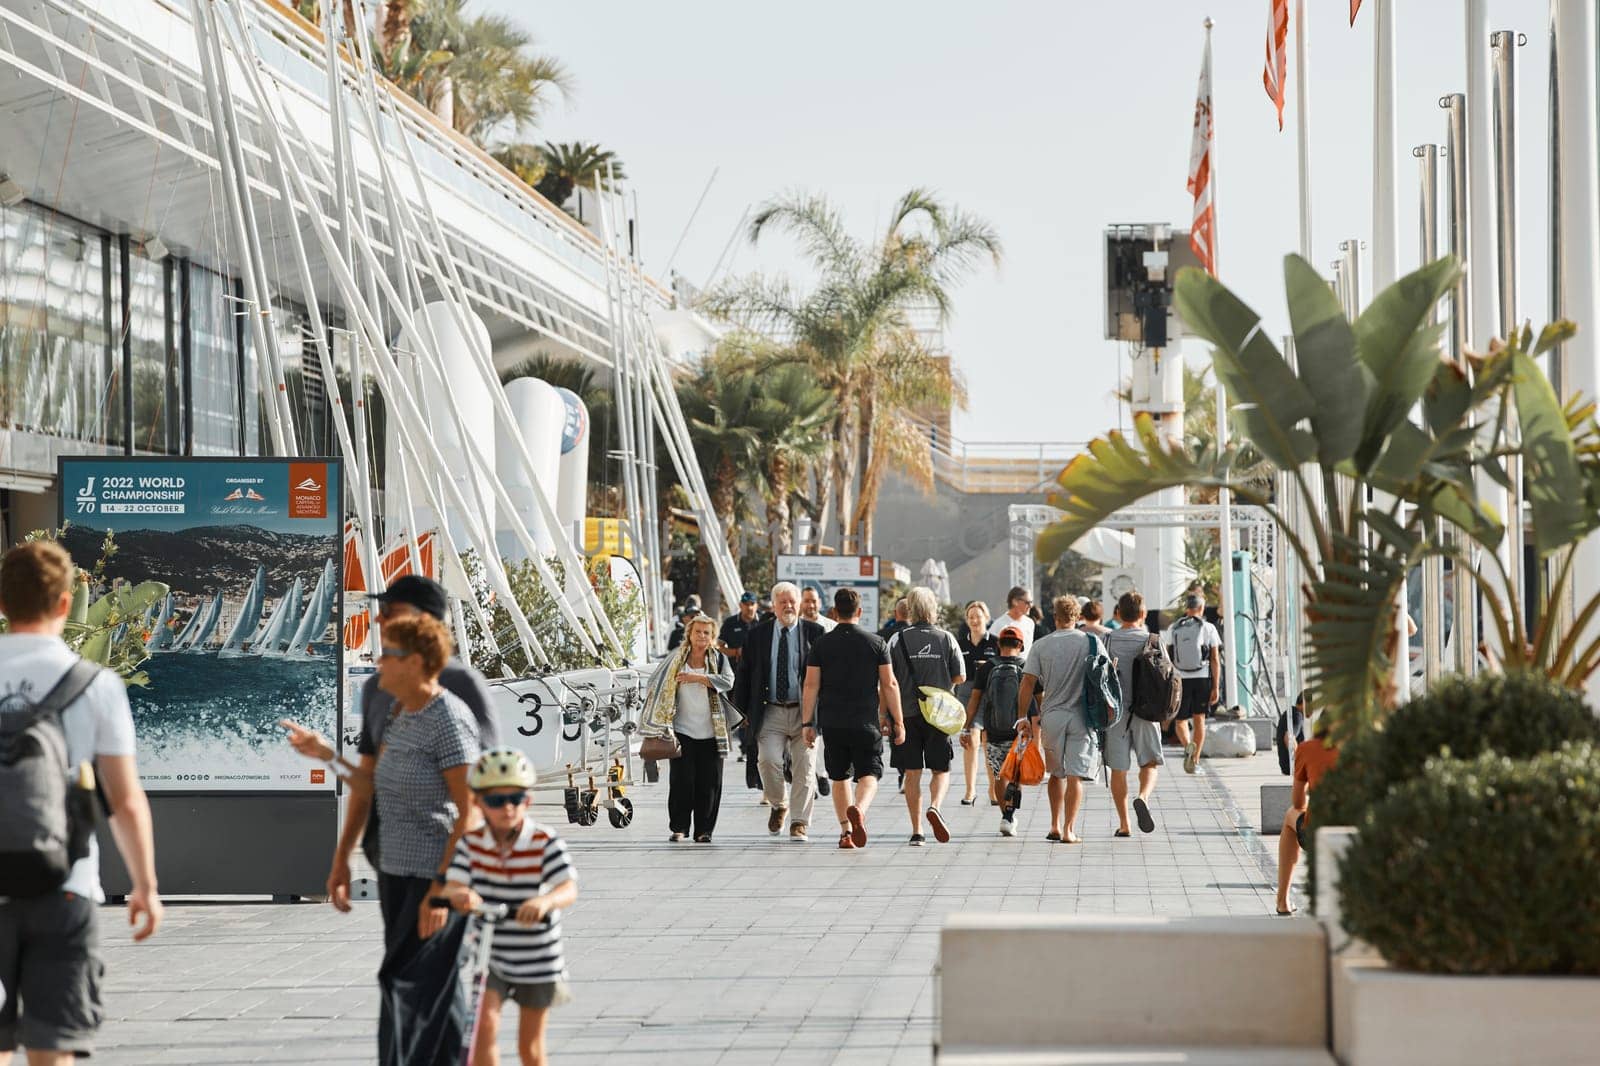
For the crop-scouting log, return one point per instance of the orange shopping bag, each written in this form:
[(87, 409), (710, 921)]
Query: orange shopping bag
[(1024, 763)]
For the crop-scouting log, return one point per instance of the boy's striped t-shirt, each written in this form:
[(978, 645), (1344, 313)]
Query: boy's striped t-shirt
[(536, 862)]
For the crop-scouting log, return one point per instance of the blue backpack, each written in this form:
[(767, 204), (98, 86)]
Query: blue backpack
[(1102, 688)]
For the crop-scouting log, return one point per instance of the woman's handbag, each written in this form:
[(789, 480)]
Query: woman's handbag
[(660, 748), (1025, 762)]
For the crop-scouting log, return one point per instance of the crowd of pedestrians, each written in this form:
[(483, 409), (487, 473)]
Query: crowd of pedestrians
[(805, 676)]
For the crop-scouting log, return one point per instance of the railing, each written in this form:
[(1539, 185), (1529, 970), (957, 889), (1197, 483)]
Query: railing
[(996, 466)]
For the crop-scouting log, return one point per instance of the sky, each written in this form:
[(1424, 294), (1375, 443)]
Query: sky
[(1050, 120)]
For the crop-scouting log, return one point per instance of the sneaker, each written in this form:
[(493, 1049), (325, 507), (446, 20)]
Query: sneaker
[(916, 840), (1191, 758), (775, 820), (858, 826), (941, 832), (797, 831), (1008, 828), (1141, 811), (845, 843)]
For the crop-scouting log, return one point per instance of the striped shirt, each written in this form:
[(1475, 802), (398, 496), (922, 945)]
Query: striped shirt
[(536, 862)]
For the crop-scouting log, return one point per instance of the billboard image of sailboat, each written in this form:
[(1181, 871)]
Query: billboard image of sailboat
[(241, 642)]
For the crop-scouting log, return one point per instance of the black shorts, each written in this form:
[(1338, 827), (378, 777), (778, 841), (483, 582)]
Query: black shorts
[(1196, 698), (50, 959), (851, 754), (925, 748)]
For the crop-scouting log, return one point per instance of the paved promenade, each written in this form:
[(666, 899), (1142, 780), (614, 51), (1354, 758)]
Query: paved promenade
[(751, 950)]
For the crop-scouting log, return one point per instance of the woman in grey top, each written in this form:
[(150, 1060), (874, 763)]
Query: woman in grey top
[(425, 748)]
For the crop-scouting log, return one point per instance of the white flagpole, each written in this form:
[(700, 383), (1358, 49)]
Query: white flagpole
[(1302, 124)]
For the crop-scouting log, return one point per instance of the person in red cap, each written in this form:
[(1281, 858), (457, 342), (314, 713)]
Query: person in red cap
[(992, 707)]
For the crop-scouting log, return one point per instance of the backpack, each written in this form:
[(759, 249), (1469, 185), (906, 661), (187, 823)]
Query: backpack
[(1157, 688), (1102, 688), (998, 710), (1186, 652), (46, 817)]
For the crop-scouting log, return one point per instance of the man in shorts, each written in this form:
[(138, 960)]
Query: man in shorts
[(1057, 664), (1195, 647), (851, 698), (50, 964), (1132, 740), (924, 654)]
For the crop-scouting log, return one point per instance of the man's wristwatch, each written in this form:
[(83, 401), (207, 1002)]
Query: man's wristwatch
[(808, 725)]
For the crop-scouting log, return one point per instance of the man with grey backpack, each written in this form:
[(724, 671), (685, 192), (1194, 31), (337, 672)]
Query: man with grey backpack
[(1195, 647), (65, 726)]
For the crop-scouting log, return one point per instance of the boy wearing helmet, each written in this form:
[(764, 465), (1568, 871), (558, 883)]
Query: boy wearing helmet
[(521, 863)]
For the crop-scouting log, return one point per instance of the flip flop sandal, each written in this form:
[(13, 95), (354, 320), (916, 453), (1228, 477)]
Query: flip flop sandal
[(1141, 810), (1053, 837), (1122, 833)]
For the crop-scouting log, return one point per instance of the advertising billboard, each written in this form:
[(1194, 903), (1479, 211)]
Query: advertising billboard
[(829, 573), (250, 631)]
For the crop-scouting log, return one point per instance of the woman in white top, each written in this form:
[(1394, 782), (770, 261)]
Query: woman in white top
[(686, 698)]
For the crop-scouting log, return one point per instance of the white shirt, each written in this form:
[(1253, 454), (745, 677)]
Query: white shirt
[(693, 719), (1025, 624), (824, 621), (98, 723), (1210, 640)]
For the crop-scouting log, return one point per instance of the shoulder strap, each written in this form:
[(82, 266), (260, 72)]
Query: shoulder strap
[(74, 683)]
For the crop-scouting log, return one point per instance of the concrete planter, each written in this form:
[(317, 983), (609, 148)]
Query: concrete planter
[(1386, 1017)]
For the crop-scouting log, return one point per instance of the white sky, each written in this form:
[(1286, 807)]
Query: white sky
[(1051, 120)]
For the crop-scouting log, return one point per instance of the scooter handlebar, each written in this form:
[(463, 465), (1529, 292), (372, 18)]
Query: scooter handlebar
[(489, 912)]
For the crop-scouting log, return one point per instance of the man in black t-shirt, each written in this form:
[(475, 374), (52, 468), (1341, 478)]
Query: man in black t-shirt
[(851, 698), (736, 627), (924, 655)]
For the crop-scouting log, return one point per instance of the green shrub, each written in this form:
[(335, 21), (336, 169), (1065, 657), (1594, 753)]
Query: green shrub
[(1517, 715), (1483, 867)]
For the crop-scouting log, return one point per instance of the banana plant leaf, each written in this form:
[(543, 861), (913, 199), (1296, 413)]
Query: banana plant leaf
[(1325, 355), (1400, 349), (1552, 479)]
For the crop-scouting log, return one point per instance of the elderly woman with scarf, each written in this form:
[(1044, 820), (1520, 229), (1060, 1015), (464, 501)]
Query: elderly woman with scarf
[(686, 699)]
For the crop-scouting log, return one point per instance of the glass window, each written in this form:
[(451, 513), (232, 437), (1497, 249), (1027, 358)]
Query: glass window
[(157, 373), (58, 373), (214, 363), (302, 378)]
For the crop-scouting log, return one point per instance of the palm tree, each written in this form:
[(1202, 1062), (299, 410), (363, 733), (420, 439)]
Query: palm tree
[(717, 403), (854, 333), (478, 69), (570, 166), (791, 415)]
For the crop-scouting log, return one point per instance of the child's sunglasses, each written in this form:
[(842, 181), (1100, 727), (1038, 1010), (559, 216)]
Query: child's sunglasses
[(496, 800)]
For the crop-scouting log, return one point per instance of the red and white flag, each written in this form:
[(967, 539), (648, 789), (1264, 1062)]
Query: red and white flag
[(1274, 77), (1355, 5), (1202, 237)]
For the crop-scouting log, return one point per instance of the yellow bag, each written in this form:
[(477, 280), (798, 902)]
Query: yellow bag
[(941, 709)]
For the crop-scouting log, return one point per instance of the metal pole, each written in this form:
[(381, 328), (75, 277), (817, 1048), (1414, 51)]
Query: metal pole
[(1385, 187), (1433, 569), (1302, 124), (1479, 188), (1464, 595), (1504, 47), (1230, 635), (1575, 232)]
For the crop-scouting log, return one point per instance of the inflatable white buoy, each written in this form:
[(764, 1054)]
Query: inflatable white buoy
[(540, 415)]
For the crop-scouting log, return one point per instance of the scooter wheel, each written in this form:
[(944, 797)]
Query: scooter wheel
[(589, 812), (621, 814)]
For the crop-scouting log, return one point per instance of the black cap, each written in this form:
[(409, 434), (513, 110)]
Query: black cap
[(748, 597), (423, 593)]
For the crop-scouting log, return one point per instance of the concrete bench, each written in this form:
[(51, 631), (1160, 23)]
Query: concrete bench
[(1107, 986), (1124, 1056), (1274, 805), (1264, 728)]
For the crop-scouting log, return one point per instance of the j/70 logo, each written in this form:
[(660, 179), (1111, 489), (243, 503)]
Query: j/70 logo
[(85, 498)]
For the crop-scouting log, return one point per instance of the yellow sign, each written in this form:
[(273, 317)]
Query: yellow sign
[(606, 536)]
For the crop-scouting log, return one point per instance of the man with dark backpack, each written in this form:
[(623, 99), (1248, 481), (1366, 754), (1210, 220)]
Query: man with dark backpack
[(64, 724), (993, 708), (1152, 689)]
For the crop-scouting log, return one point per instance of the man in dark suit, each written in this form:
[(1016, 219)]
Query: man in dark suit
[(767, 689)]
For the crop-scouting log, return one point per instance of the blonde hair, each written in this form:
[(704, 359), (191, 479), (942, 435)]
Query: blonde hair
[(701, 619)]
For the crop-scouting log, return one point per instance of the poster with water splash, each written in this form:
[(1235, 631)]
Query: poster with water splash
[(250, 549)]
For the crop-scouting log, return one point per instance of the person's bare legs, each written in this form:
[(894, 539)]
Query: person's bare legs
[(969, 766), (1057, 791), (1288, 855), (1119, 797), (866, 788), (1074, 802), (1180, 729), (843, 798), (938, 788), (530, 1036), (1199, 735), (913, 795), (1147, 782), (485, 1050), (42, 1058)]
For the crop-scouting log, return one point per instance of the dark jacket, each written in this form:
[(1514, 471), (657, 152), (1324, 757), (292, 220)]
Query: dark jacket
[(753, 677)]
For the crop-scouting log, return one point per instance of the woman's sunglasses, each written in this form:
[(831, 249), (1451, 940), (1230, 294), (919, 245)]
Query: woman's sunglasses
[(496, 800), (395, 653)]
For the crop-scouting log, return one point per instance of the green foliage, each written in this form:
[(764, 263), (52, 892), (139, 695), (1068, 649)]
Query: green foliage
[(624, 606), (1483, 867), (108, 628), (1516, 715), (577, 164), (1372, 485)]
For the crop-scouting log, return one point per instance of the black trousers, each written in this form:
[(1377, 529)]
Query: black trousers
[(694, 791), (422, 1013)]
